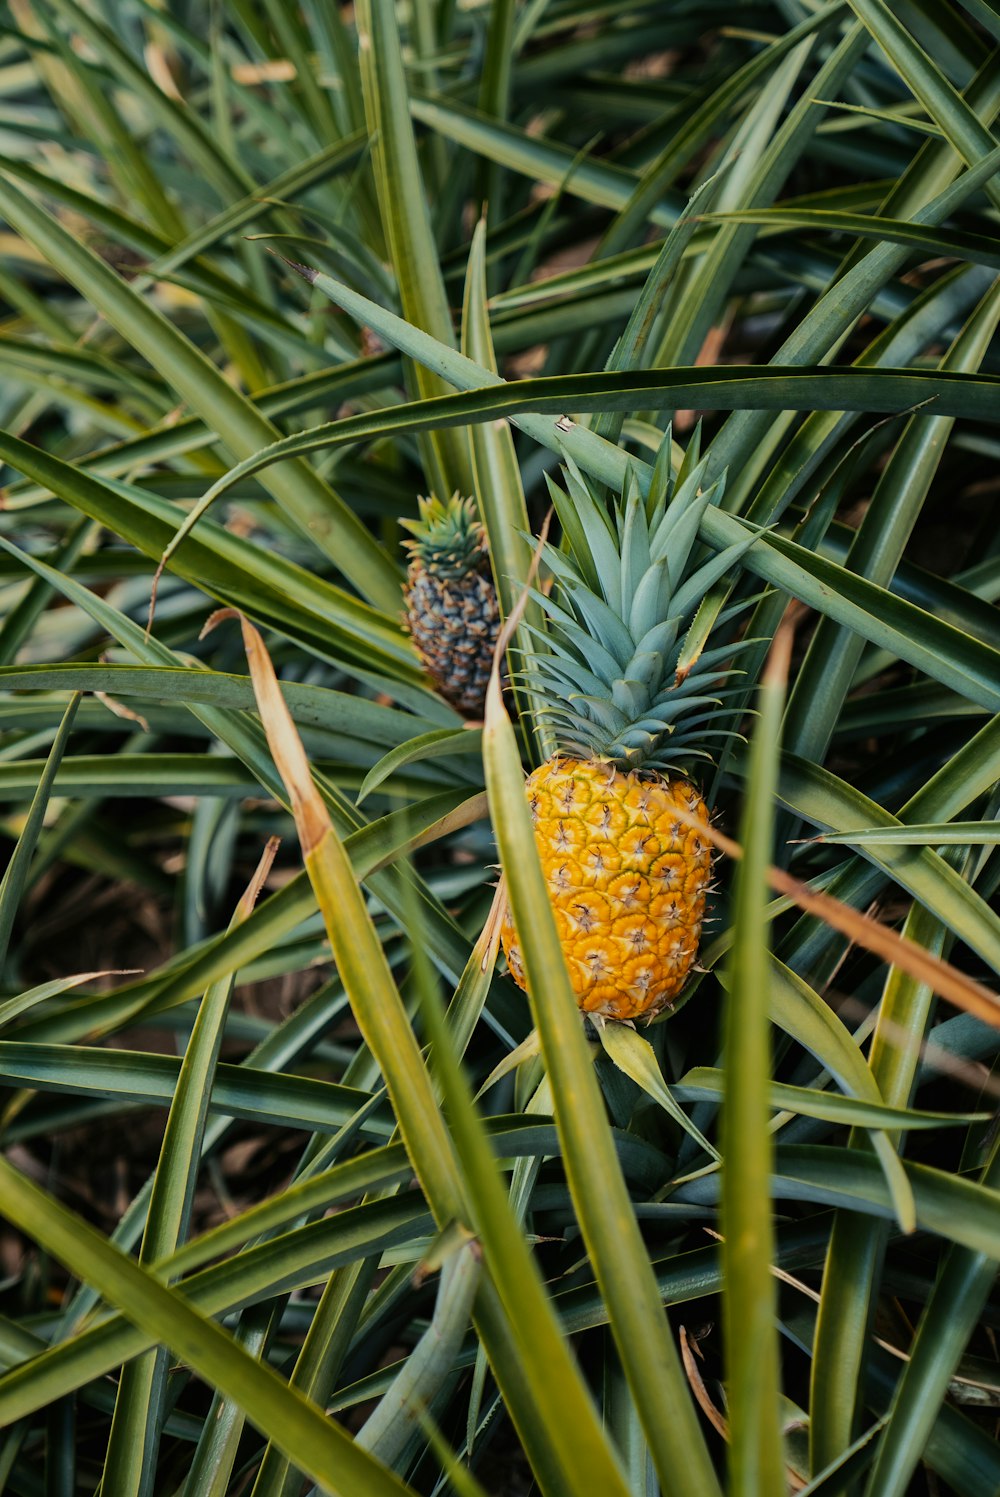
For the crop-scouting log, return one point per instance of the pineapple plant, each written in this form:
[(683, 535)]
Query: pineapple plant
[(162, 134), (452, 612), (631, 704)]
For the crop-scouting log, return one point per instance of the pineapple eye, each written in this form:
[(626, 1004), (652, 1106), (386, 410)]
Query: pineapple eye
[(598, 962)]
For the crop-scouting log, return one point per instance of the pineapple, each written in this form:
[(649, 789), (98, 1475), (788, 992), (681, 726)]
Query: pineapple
[(631, 702), (452, 611)]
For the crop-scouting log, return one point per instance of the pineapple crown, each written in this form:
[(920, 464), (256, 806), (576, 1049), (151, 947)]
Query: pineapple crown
[(448, 538), (622, 672)]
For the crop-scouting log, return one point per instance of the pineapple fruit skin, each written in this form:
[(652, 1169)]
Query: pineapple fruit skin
[(454, 623), (627, 882)]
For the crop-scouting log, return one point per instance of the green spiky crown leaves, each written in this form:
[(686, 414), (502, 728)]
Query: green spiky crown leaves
[(448, 538), (618, 675)]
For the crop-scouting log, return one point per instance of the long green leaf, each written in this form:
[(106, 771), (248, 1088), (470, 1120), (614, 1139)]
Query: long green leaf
[(729, 387), (930, 834), (16, 873), (635, 1056), (756, 1462), (955, 1208), (705, 1081), (978, 248), (499, 489), (134, 1436), (405, 218), (645, 1345), (319, 1446)]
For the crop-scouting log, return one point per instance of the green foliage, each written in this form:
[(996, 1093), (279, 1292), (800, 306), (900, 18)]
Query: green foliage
[(608, 670), (512, 248)]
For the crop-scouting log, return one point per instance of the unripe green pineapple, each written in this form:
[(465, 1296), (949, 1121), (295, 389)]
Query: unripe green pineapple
[(451, 605)]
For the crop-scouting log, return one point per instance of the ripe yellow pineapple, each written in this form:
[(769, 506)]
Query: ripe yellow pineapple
[(626, 876)]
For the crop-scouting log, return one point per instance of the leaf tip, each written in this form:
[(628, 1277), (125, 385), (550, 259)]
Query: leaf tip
[(218, 617), (305, 271)]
